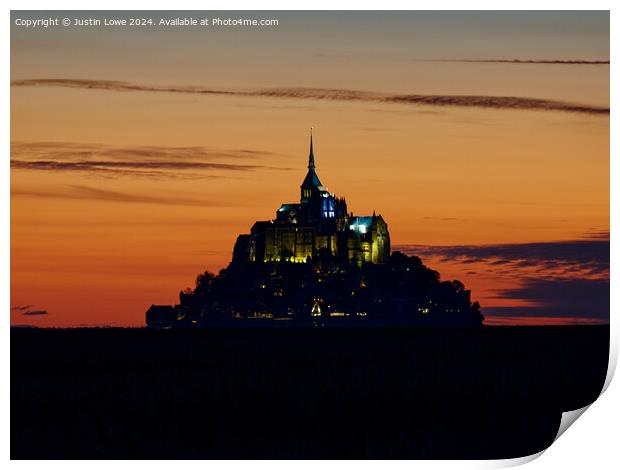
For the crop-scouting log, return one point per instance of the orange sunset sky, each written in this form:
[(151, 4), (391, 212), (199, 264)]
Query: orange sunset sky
[(123, 191)]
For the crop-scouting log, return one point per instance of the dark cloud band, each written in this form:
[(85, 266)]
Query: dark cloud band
[(567, 279), (470, 101), (78, 192), (35, 312), (94, 165), (562, 297), (149, 161), (529, 61), (28, 310), (591, 254)]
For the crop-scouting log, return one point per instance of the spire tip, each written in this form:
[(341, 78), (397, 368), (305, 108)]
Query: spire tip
[(311, 157)]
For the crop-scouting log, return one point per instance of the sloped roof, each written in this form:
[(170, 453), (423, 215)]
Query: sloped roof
[(311, 180)]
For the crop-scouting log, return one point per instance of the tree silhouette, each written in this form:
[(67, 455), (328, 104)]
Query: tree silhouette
[(402, 291)]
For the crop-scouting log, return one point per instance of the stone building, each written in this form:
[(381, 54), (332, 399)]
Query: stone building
[(319, 225)]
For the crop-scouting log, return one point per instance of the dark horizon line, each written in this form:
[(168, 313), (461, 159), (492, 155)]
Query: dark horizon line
[(506, 325)]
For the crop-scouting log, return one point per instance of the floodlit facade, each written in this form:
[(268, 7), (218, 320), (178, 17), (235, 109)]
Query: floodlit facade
[(317, 226)]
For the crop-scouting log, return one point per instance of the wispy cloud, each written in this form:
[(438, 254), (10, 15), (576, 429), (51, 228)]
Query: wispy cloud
[(528, 61), (470, 101), (21, 308), (90, 193), (534, 320), (35, 312), (27, 310), (95, 165), (150, 161), (150, 151), (597, 234)]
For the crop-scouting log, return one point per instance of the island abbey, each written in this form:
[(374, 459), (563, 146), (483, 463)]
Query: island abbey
[(316, 264), (319, 225)]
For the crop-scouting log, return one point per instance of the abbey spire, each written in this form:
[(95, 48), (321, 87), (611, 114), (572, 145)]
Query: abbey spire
[(311, 156), (311, 185)]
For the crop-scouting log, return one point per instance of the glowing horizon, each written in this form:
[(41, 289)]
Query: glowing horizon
[(121, 196)]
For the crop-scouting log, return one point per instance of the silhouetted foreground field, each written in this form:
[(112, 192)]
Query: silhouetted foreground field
[(286, 393)]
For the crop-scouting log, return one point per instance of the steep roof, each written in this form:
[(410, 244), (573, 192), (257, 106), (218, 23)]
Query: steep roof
[(311, 179)]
